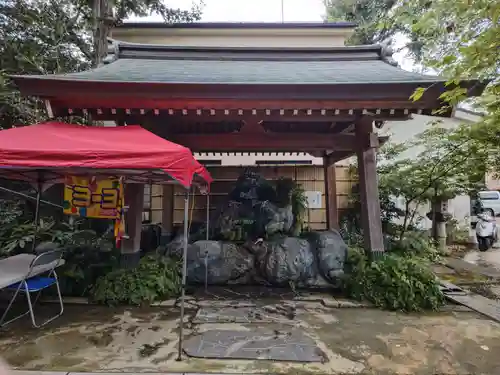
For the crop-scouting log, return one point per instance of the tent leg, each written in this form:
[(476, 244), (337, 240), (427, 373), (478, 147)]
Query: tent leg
[(37, 215), (184, 273), (208, 236), (208, 216)]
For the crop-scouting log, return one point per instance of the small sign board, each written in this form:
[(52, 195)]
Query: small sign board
[(314, 200), (93, 197)]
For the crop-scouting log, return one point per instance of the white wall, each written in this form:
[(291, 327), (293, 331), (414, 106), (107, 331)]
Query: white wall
[(246, 159), (402, 131), (238, 37)]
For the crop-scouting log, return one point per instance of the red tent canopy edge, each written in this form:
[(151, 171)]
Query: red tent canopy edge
[(61, 147)]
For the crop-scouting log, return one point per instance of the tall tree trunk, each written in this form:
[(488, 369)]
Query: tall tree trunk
[(103, 20)]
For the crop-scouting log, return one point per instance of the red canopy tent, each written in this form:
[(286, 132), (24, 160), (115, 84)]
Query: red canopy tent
[(44, 153)]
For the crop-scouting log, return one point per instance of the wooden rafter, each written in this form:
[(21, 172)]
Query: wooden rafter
[(172, 106), (251, 142)]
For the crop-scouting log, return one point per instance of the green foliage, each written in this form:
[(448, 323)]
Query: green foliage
[(365, 14), (457, 234), (413, 244), (55, 36), (17, 233), (392, 282), (461, 41), (438, 168), (434, 166), (155, 278), (299, 208), (370, 17), (10, 211), (254, 200), (88, 256), (356, 258), (350, 219), (289, 192)]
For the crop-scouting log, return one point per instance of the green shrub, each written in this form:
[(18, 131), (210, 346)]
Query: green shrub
[(393, 282), (155, 278), (355, 258), (299, 208), (414, 244)]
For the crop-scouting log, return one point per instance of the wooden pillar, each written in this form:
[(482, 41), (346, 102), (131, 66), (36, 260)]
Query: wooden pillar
[(368, 184), (167, 215), (131, 246), (330, 177)]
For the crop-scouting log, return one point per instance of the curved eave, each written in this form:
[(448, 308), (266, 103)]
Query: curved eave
[(59, 87)]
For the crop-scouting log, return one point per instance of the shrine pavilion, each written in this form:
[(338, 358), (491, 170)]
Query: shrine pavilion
[(322, 99)]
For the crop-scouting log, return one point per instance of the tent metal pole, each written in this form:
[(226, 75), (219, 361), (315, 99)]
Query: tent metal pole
[(208, 216), (29, 197), (184, 273), (37, 214), (207, 237)]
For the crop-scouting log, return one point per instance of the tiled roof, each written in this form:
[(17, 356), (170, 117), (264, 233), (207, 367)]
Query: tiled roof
[(191, 65), (248, 72)]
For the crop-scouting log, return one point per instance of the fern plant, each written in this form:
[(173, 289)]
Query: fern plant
[(392, 282), (299, 208), (155, 278)]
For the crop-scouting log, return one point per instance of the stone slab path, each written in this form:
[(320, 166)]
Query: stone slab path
[(353, 341)]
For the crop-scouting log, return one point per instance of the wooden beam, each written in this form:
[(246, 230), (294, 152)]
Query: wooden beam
[(368, 183), (274, 116), (94, 101), (338, 156), (332, 215), (252, 126), (265, 142), (167, 216), (59, 88), (105, 114)]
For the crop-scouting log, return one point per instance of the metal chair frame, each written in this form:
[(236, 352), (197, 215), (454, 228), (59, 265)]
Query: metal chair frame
[(41, 259)]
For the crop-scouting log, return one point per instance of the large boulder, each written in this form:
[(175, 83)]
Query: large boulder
[(175, 248), (229, 219), (331, 252), (250, 211), (225, 262), (279, 219), (286, 259), (251, 188)]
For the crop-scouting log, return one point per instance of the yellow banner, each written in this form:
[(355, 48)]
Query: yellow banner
[(93, 197)]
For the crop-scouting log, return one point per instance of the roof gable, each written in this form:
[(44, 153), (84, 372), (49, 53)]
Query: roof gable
[(140, 63)]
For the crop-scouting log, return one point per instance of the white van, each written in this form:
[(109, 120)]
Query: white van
[(490, 201)]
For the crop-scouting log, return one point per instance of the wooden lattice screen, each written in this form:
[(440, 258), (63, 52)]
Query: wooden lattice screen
[(309, 176)]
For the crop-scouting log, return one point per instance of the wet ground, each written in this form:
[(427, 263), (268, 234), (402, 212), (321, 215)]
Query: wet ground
[(490, 258), (477, 271), (90, 338)]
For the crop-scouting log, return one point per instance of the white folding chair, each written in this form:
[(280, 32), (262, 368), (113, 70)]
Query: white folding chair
[(35, 282)]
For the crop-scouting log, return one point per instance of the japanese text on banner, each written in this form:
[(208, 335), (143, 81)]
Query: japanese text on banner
[(93, 197)]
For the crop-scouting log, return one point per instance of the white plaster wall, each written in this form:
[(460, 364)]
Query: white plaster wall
[(235, 37), (492, 182), (402, 131), (247, 159)]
